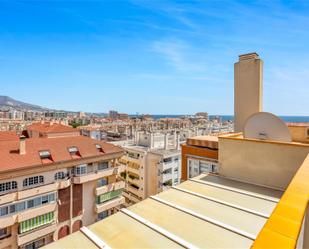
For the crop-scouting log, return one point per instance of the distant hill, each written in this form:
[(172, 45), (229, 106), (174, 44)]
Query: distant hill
[(8, 103)]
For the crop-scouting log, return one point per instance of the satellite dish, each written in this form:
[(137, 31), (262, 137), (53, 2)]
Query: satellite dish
[(266, 126)]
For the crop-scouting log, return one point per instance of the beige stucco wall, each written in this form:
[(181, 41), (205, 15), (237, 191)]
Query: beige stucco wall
[(265, 163)]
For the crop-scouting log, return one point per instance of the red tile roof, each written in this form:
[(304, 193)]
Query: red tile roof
[(50, 128), (8, 136), (58, 147)]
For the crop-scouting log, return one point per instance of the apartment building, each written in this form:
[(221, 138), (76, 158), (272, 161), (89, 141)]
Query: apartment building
[(199, 155), (152, 165), (50, 187), (257, 199)]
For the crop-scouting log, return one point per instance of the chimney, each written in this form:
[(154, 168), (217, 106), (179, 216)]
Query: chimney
[(248, 82), (22, 145), (165, 141)]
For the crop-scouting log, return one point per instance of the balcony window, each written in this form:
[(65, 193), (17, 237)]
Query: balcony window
[(4, 211), (102, 182), (60, 175), (102, 166), (7, 186), (102, 215), (80, 170), (32, 181), (133, 155), (31, 203), (167, 160), (36, 222), (4, 233)]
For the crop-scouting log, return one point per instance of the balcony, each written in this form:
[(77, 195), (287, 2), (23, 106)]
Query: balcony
[(133, 190), (9, 197), (110, 187), (37, 191), (64, 183), (135, 181), (109, 204), (35, 234), (98, 174), (131, 196), (34, 212), (167, 177)]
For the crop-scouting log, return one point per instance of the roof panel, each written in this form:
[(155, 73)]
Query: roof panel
[(239, 219), (191, 229), (121, 231), (241, 200), (76, 240)]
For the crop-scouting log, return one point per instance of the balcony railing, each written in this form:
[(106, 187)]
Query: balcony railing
[(35, 234), (109, 204), (110, 187), (98, 174)]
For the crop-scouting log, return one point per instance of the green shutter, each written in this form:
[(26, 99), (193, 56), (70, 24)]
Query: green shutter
[(108, 196), (36, 222)]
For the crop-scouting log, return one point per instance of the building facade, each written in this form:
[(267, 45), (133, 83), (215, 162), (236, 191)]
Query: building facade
[(50, 187)]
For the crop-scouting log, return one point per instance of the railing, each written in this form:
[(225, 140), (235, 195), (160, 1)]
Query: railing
[(284, 227), (98, 174)]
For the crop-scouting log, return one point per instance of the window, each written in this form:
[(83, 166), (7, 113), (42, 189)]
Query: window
[(59, 175), (8, 186), (73, 150), (31, 203), (102, 182), (108, 196), (307, 132), (167, 160), (44, 154), (102, 165), (35, 180), (176, 159), (4, 211), (175, 181), (102, 215), (81, 169), (4, 233)]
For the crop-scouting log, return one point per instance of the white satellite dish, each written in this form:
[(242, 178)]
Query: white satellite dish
[(266, 126)]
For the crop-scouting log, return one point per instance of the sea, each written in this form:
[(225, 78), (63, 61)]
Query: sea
[(292, 119)]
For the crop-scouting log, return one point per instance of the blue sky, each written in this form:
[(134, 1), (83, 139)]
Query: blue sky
[(158, 57)]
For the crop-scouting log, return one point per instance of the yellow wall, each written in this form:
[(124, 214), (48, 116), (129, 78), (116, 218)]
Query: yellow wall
[(265, 163), (299, 133)]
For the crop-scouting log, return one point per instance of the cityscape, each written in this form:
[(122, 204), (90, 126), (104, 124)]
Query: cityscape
[(226, 174)]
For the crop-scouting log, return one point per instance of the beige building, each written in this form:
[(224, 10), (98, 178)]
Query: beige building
[(50, 187), (149, 171)]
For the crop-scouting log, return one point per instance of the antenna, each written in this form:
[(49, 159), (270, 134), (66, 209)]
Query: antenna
[(266, 126)]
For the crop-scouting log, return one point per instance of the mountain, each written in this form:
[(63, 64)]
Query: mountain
[(9, 103)]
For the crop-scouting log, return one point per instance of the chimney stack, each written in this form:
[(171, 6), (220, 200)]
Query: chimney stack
[(248, 82), (22, 145)]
